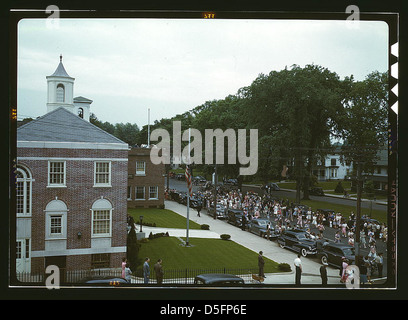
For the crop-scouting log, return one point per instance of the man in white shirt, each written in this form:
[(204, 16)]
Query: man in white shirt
[(298, 267)]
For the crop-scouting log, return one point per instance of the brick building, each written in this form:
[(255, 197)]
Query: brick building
[(145, 180), (71, 187)]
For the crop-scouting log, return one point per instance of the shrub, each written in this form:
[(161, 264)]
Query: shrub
[(339, 188), (225, 236), (205, 227), (284, 267)]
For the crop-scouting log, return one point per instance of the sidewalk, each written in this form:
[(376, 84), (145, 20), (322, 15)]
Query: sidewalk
[(271, 250)]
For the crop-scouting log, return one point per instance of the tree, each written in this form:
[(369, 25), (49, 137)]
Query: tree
[(364, 128), (297, 109)]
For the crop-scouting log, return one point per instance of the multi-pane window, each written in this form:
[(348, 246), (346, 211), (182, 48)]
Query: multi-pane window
[(153, 192), (102, 173), (60, 93), (140, 167), (140, 193), (101, 222), (56, 173), (23, 191), (56, 224), (18, 250), (100, 260)]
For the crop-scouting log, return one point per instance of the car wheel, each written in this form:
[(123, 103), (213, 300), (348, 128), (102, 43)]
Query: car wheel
[(261, 234), (324, 260), (303, 252)]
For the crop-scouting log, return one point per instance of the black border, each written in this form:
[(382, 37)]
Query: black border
[(371, 10)]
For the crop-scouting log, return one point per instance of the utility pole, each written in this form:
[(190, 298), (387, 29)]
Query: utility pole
[(215, 191)]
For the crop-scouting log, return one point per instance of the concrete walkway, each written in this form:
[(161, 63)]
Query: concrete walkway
[(271, 249)]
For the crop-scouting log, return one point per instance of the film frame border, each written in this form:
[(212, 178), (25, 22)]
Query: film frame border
[(391, 19)]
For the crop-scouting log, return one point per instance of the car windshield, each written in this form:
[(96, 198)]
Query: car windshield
[(262, 222), (301, 236)]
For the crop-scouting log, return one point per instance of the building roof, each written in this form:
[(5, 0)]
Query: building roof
[(61, 125), (60, 71), (82, 99)]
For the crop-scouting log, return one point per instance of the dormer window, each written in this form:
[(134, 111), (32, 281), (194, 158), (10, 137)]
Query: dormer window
[(60, 93)]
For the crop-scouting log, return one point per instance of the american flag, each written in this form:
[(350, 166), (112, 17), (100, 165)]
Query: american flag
[(188, 179)]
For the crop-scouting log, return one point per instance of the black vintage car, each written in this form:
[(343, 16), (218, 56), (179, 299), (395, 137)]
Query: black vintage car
[(316, 191), (259, 227), (299, 241), (103, 281), (332, 253), (220, 209), (218, 279), (234, 217)]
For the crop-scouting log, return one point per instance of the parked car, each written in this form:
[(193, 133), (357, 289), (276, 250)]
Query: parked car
[(299, 241), (103, 281), (199, 180), (259, 227), (180, 176), (332, 253), (234, 217), (233, 182), (218, 279), (271, 186), (316, 191), (220, 209)]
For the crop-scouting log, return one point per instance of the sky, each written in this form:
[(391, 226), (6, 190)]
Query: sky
[(170, 66)]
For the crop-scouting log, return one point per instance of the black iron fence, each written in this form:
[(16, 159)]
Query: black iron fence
[(183, 276)]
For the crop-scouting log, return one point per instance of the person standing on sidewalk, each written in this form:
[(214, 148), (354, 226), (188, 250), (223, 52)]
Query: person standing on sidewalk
[(323, 275), (158, 269), (298, 267), (146, 271), (261, 263)]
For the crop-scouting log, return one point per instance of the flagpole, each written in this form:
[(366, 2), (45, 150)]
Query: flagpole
[(188, 191)]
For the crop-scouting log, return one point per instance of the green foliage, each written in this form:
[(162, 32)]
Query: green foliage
[(284, 267), (339, 188), (225, 236)]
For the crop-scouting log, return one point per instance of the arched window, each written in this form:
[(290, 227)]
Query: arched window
[(81, 113), (60, 93), (101, 218), (23, 194)]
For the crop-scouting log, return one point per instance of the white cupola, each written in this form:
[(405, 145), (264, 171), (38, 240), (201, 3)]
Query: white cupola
[(60, 89)]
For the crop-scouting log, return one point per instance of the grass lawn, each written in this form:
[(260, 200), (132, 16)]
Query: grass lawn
[(161, 217), (204, 253)]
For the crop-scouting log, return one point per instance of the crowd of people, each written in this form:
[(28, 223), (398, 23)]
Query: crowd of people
[(286, 214)]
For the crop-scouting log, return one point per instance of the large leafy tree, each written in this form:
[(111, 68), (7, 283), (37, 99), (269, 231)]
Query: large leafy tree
[(297, 109)]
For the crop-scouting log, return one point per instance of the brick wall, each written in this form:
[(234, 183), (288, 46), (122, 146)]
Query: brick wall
[(79, 196), (154, 177)]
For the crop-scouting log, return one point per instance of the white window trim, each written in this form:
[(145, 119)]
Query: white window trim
[(157, 193), (140, 173), (101, 235), (109, 184), (55, 185), (144, 193), (26, 181), (130, 193), (63, 234)]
